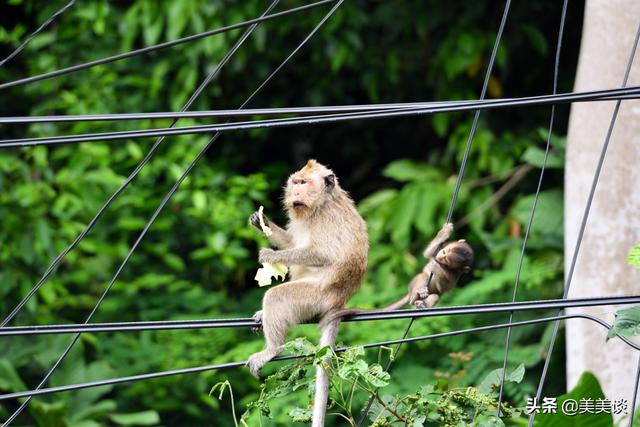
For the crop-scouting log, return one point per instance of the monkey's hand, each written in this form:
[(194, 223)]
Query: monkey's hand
[(254, 220), (429, 301), (447, 229), (419, 295), (258, 318), (267, 255), (442, 236)]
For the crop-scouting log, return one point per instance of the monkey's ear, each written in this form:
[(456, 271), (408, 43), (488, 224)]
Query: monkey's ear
[(466, 269), (330, 181), (462, 240)]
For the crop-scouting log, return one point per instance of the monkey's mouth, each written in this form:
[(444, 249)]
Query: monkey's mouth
[(297, 204)]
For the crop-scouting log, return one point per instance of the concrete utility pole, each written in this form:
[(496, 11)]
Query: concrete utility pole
[(614, 222)]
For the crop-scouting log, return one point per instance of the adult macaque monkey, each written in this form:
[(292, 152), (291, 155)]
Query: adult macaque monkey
[(325, 246), (447, 262)]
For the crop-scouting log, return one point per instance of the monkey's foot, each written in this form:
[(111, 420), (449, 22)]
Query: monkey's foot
[(418, 295), (258, 318), (422, 293), (257, 360), (421, 303)]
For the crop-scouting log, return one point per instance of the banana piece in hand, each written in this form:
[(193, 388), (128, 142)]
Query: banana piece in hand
[(268, 270)]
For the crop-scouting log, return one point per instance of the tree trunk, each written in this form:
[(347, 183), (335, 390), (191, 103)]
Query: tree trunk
[(614, 222)]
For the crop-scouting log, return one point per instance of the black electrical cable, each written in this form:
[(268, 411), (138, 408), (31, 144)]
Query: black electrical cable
[(516, 282), (54, 264), (585, 217), (44, 25), (162, 374), (373, 315), (192, 99), (222, 113), (153, 48), (633, 92), (476, 118), (456, 190), (254, 111)]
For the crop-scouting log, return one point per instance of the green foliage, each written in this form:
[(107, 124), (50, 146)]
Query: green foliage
[(199, 258), (492, 382), (145, 418), (626, 323), (353, 379)]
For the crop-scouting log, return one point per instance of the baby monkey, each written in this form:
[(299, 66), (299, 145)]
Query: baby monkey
[(448, 261)]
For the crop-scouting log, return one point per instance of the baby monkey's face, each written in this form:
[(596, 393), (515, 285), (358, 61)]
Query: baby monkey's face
[(441, 256), (456, 255)]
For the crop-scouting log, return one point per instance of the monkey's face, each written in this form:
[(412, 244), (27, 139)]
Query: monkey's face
[(456, 256), (307, 189)]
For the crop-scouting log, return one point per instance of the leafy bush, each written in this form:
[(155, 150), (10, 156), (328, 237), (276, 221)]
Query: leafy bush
[(353, 379)]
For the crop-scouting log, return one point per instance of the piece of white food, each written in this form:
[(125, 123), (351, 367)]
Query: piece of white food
[(265, 228), (268, 270), (278, 270)]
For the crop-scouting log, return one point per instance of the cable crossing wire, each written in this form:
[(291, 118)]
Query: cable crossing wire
[(585, 218), (44, 25), (516, 282), (456, 190)]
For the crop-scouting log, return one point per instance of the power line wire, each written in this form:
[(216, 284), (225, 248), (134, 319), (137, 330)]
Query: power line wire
[(273, 111), (585, 217), (159, 46), (373, 315), (44, 25), (516, 282), (162, 374), (221, 113), (319, 119)]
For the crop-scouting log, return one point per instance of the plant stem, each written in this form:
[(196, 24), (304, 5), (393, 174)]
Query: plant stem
[(393, 411), (233, 405)]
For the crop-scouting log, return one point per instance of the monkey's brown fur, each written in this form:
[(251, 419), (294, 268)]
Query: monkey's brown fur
[(325, 246), (447, 262)]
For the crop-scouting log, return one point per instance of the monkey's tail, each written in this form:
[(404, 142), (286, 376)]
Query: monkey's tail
[(329, 332), (346, 312)]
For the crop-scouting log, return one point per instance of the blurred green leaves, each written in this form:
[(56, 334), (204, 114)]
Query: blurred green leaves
[(198, 259)]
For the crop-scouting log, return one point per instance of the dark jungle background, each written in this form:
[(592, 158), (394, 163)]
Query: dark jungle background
[(199, 259)]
